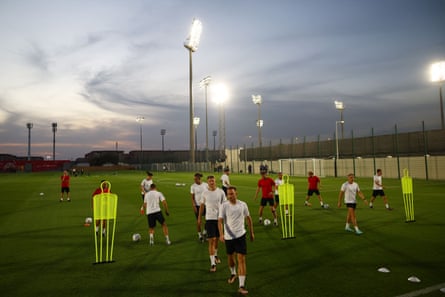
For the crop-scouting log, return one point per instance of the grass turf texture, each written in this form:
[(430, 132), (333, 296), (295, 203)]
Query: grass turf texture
[(46, 250)]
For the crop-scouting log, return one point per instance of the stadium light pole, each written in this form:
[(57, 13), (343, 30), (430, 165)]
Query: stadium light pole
[(214, 133), (220, 95), (163, 131), (196, 121), (438, 75), (205, 83), (140, 119), (54, 126), (258, 100), (336, 145), (29, 126), (191, 44), (340, 106)]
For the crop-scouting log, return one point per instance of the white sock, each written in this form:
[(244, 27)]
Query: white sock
[(151, 236), (387, 205), (212, 260), (347, 225), (233, 270), (199, 234), (356, 228), (242, 280), (370, 203), (167, 238), (321, 203)]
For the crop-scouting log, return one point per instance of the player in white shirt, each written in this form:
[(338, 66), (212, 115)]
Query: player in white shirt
[(225, 180), (232, 218), (349, 191), (278, 181), (153, 212), (196, 190), (377, 190), (210, 201)]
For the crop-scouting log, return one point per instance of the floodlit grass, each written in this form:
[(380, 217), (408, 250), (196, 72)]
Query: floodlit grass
[(45, 249)]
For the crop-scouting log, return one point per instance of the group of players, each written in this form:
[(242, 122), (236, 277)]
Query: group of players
[(226, 217)]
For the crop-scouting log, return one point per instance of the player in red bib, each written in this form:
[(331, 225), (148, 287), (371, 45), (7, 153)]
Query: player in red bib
[(267, 187), (313, 188)]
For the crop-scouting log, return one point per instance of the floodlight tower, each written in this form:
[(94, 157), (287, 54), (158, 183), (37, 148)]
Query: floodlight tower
[(340, 106), (54, 126), (163, 131), (258, 100), (196, 121), (205, 83), (29, 126), (220, 96), (140, 119), (214, 133), (336, 145), (438, 75), (191, 44)]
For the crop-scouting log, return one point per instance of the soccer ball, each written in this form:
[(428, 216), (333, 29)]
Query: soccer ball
[(326, 206), (267, 222), (136, 237), (88, 220)]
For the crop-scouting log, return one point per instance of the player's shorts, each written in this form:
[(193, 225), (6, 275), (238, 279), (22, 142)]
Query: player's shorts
[(311, 192), (65, 189), (351, 205), (197, 211), (376, 193), (153, 217), (212, 228), (225, 190), (277, 199), (237, 245), (265, 201)]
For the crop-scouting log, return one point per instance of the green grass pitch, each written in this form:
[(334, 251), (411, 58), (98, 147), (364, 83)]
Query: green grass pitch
[(46, 251)]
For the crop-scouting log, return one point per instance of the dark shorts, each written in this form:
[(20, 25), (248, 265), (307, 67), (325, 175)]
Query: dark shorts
[(277, 199), (197, 211), (225, 190), (65, 189), (212, 228), (311, 192), (153, 217), (376, 193), (351, 205), (237, 245), (265, 201)]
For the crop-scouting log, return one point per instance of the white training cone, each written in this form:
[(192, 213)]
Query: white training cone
[(383, 269), (414, 279)]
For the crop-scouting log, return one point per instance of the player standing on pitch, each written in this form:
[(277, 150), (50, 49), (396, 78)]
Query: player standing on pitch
[(211, 199), (196, 190), (153, 211), (349, 190), (377, 190), (267, 187), (232, 217), (65, 186), (314, 184)]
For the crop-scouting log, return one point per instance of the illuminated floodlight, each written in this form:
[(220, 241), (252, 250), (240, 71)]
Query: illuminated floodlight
[(193, 39), (438, 72)]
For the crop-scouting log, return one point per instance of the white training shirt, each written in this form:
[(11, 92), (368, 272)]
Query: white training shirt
[(152, 199), (225, 180), (212, 200), (277, 183), (198, 190), (350, 192), (146, 184), (377, 182), (234, 218)]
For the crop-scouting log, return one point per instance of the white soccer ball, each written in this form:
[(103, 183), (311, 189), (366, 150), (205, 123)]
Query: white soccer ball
[(267, 222), (88, 220), (326, 205), (136, 237), (41, 193)]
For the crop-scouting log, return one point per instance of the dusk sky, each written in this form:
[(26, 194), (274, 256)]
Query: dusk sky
[(93, 66)]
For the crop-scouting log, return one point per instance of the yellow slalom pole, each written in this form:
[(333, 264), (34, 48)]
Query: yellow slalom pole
[(408, 196), (286, 194), (105, 209)]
